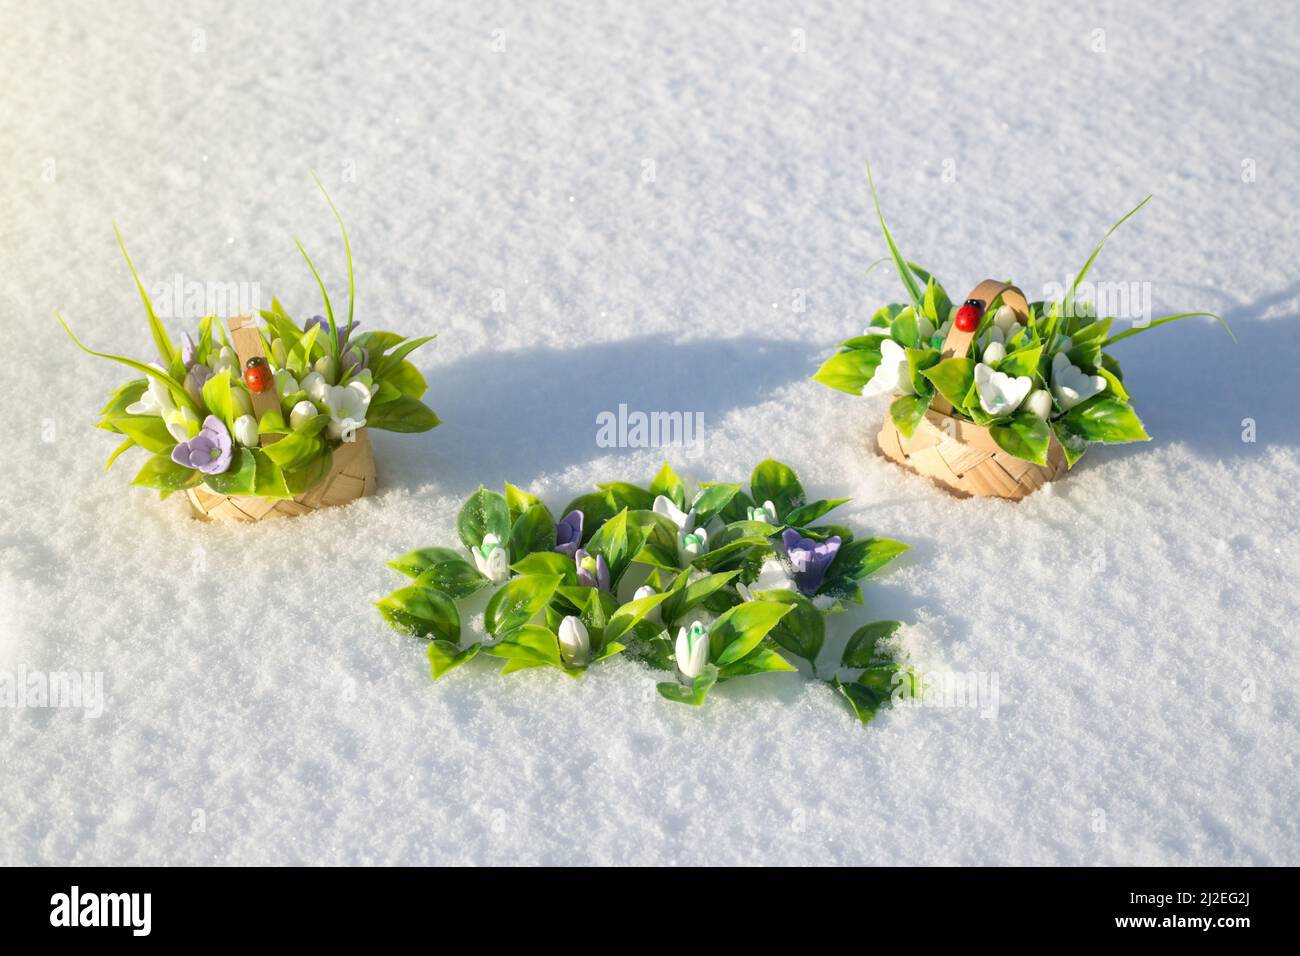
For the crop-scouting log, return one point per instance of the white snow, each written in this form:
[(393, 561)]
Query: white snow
[(645, 192)]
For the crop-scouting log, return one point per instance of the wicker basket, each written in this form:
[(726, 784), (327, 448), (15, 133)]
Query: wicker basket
[(959, 454), (352, 470)]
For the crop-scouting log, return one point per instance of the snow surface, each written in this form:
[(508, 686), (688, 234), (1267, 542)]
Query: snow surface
[(1140, 617)]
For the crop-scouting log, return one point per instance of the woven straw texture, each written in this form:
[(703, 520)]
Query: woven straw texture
[(351, 476)]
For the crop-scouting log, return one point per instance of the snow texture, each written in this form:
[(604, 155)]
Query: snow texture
[(648, 189)]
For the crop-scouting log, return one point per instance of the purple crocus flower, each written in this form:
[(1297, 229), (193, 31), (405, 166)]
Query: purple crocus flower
[(187, 350), (568, 533), (324, 324), (355, 359), (208, 451), (593, 572), (809, 559), (195, 379)]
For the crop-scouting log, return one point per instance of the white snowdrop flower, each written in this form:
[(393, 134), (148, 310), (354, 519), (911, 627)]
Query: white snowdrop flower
[(891, 374), (644, 591), (692, 650), (766, 513), (347, 407), (1071, 385), (301, 414), (663, 505), (1040, 403), (226, 361), (181, 423), (278, 355), (285, 383), (999, 393), (1005, 319), (246, 431), (691, 544), (242, 401), (156, 399), (994, 352), (314, 384), (491, 558), (925, 327), (575, 643)]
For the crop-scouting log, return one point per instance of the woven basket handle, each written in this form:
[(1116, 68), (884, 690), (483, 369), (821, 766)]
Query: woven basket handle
[(958, 342), (248, 345)]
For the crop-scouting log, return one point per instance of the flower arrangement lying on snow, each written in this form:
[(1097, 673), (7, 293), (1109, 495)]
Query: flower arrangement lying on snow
[(712, 583), (193, 410), (1027, 383)]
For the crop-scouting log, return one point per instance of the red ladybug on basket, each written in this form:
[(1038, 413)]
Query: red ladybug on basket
[(969, 315), (257, 374)]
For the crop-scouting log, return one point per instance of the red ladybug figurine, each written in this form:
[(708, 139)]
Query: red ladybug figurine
[(969, 315), (257, 375)]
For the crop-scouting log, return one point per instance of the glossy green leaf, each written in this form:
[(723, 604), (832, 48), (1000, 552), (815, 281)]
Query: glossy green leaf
[(484, 512), (849, 371), (772, 481), (860, 651), (954, 378), (533, 531), (739, 630), (694, 694), (518, 600), (445, 656), (1025, 436), (907, 412), (422, 612), (414, 563)]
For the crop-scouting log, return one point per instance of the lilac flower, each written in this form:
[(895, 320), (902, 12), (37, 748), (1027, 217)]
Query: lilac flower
[(593, 572), (187, 350), (355, 359), (809, 559), (568, 533), (195, 378), (208, 451)]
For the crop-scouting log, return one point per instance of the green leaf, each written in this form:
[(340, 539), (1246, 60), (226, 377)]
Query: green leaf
[(803, 630), (422, 612), (681, 600), (347, 248), (860, 651), (812, 511), (405, 414), (518, 501), (937, 305), (534, 531), (628, 496), (240, 478), (667, 483), (270, 482), (1114, 384), (619, 541), (179, 395), (907, 412), (406, 378), (1026, 436), (1087, 266), (445, 656), (273, 423), (865, 702), (694, 694), (905, 330), (217, 398), (761, 661), (631, 614), (164, 474), (117, 452), (167, 352), (414, 563), (529, 645), (148, 431), (123, 396), (303, 479), (597, 507), (1128, 333), (518, 600), (456, 578), (1022, 362), (484, 512), (295, 450), (863, 556), (738, 631), (904, 270), (712, 500), (1105, 419), (954, 378), (777, 483), (1071, 439), (849, 371), (547, 562)]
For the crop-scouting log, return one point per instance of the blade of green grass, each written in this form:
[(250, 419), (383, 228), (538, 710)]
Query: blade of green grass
[(329, 309), (161, 340), (904, 271), (1128, 333), (347, 248), (177, 389)]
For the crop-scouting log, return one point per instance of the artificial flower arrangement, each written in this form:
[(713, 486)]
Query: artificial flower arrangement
[(266, 420), (995, 396), (711, 583)]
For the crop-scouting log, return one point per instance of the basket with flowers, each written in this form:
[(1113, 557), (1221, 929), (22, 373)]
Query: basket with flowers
[(259, 420), (995, 396)]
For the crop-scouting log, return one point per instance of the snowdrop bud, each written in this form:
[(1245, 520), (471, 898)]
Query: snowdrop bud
[(492, 560), (925, 327), (575, 643), (1064, 345), (277, 353), (301, 414), (328, 368), (995, 334), (242, 402), (692, 650), (1005, 319), (226, 361), (314, 384), (644, 591), (246, 431), (994, 352), (285, 383), (1039, 402)]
